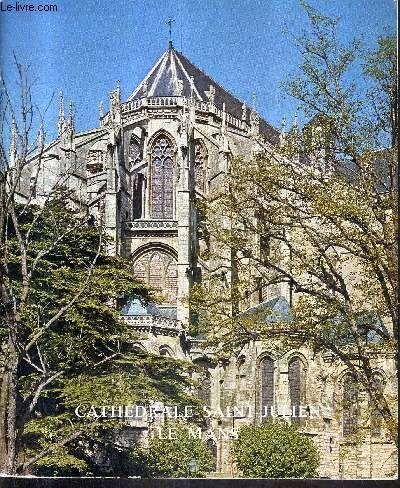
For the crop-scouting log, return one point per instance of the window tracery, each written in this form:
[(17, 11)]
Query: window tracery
[(162, 179), (267, 387), (134, 151), (350, 404), (296, 377), (159, 270)]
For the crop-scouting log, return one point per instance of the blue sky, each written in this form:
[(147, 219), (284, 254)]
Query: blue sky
[(87, 45)]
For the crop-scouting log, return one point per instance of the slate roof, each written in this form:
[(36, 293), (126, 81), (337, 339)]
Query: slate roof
[(271, 311), (163, 81)]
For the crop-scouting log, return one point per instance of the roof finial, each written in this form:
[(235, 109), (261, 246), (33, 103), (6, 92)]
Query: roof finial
[(61, 116), (192, 88), (244, 112), (101, 109), (283, 125), (282, 135), (295, 123), (71, 122), (254, 97), (169, 23)]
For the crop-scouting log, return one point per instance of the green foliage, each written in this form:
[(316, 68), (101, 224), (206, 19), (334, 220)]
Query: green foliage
[(171, 458), (75, 347), (315, 221), (275, 450)]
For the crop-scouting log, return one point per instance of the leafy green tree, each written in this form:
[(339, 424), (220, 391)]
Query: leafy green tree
[(63, 341), (275, 450), (174, 451), (81, 355), (317, 217)]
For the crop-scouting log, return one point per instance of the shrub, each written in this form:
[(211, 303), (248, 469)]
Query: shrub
[(275, 449), (171, 458)]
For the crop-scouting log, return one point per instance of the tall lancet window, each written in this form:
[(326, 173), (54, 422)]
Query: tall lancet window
[(350, 404), (376, 416), (296, 386), (200, 159), (162, 179), (134, 151), (267, 387)]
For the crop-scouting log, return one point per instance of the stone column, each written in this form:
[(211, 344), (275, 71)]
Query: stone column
[(183, 218)]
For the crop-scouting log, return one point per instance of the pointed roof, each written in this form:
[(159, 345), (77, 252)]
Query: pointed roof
[(174, 75)]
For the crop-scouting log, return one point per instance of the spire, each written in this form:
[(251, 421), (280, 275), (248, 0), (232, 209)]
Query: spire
[(61, 116), (295, 123), (71, 122), (254, 98), (244, 112), (295, 137), (254, 118), (101, 109), (223, 126), (192, 88), (282, 135)]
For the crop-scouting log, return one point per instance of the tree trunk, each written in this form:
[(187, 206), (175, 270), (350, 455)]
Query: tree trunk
[(8, 406)]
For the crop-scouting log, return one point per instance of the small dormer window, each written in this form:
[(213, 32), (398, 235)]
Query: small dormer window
[(95, 161)]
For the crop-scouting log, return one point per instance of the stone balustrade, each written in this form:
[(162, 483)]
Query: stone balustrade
[(160, 102), (155, 323), (151, 225)]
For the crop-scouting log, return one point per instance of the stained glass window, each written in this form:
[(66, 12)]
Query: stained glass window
[(350, 404), (162, 179), (376, 416), (296, 386), (267, 387), (158, 269)]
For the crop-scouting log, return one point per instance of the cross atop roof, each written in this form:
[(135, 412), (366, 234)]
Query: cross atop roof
[(169, 23)]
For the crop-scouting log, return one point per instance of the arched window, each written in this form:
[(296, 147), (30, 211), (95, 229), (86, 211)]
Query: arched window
[(376, 416), (200, 159), (350, 404), (267, 387), (162, 179), (296, 386), (134, 151), (204, 389), (158, 269)]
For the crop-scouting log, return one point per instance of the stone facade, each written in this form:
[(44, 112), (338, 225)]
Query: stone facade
[(142, 169)]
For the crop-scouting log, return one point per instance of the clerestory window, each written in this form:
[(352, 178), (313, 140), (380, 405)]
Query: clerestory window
[(162, 179), (267, 387), (350, 404)]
